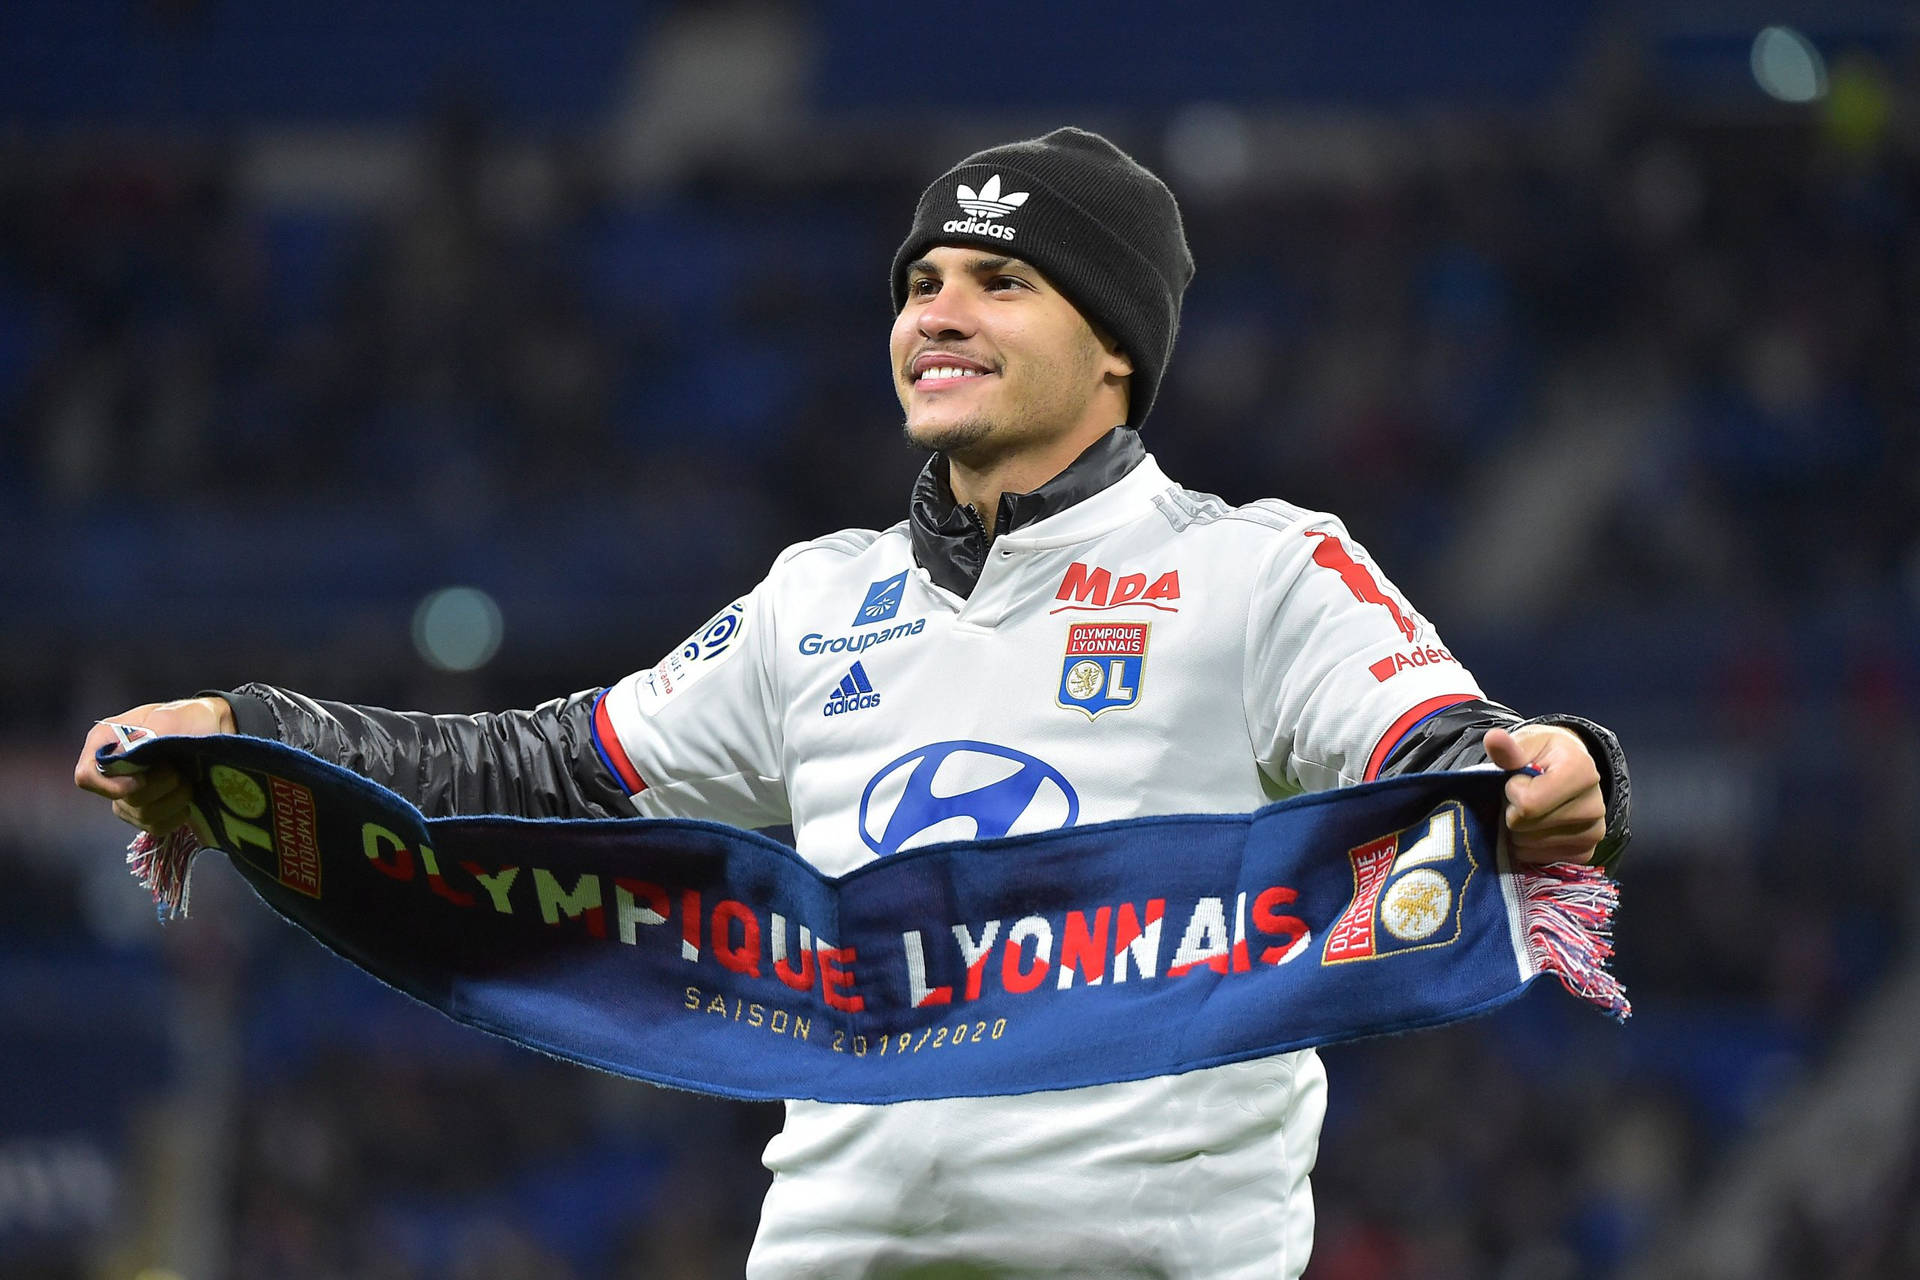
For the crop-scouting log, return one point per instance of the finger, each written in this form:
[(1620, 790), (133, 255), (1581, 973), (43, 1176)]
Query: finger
[(1552, 749), (1558, 780), (1574, 820), (160, 808), (86, 770), (1573, 838), (119, 786), (1571, 818), (1572, 832), (1529, 805), (166, 816), (153, 788), (1550, 803), (1547, 857), (138, 789), (1577, 847), (102, 785), (1504, 750)]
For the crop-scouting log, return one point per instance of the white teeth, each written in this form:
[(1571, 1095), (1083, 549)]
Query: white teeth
[(948, 371)]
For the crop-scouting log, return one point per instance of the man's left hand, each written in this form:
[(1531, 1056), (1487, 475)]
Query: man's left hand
[(1558, 815)]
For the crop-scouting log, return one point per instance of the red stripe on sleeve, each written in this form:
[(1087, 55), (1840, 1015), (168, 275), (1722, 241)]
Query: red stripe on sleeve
[(1398, 729), (612, 752)]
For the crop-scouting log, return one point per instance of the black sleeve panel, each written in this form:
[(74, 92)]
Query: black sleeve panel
[(535, 764), (1451, 739)]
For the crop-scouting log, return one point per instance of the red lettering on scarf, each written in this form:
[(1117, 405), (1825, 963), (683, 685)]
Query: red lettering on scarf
[(833, 978), (744, 958), (1268, 921)]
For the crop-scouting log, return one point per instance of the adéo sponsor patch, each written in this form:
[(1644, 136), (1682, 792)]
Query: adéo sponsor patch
[(1394, 663)]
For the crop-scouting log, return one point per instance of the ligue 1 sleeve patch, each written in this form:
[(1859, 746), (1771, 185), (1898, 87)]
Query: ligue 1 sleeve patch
[(684, 667), (1104, 666)]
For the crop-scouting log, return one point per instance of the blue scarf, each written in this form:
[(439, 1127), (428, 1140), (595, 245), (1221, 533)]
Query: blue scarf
[(709, 958)]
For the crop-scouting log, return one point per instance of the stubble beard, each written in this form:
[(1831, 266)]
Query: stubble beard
[(1056, 399), (949, 437)]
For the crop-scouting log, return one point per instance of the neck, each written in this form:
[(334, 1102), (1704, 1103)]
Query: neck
[(978, 481)]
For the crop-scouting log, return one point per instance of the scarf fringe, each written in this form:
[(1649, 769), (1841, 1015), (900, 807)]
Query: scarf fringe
[(162, 867), (1567, 910)]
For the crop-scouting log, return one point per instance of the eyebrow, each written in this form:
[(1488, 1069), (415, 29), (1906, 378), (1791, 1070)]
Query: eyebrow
[(972, 266)]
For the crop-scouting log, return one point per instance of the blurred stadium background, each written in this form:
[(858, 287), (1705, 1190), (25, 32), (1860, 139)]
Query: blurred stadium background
[(457, 353)]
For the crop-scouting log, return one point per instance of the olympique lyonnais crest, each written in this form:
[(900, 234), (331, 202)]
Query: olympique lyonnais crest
[(1104, 665), (1409, 889), (269, 821)]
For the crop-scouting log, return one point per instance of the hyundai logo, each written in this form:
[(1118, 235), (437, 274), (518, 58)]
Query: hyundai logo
[(963, 791)]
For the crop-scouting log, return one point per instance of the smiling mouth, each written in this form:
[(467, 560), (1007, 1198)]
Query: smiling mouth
[(946, 375)]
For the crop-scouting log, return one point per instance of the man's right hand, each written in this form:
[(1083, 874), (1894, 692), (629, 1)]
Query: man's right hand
[(153, 801)]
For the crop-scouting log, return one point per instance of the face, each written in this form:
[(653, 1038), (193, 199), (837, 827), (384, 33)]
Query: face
[(988, 357)]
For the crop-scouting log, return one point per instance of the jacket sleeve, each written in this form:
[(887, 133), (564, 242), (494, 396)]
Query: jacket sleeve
[(542, 763), (1451, 739)]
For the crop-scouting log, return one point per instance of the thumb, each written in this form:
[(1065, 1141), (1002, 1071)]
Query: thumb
[(1504, 750)]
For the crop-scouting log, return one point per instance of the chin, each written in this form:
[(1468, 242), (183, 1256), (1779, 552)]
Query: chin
[(946, 436)]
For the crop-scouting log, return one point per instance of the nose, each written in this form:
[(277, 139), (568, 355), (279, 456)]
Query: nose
[(948, 314)]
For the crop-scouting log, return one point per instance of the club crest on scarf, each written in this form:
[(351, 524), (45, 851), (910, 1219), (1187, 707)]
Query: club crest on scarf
[(269, 821), (1408, 890)]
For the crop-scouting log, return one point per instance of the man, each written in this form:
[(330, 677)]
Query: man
[(1053, 598)]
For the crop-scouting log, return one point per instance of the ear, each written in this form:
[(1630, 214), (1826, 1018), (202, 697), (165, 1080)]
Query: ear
[(1118, 364)]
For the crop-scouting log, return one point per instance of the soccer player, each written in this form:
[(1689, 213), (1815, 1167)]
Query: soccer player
[(1058, 633)]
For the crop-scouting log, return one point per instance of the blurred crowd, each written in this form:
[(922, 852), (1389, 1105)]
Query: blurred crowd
[(244, 437)]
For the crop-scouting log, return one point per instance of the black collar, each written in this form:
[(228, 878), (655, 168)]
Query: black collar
[(949, 541)]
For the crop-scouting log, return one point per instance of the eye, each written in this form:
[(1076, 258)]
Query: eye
[(922, 287), (1002, 284)]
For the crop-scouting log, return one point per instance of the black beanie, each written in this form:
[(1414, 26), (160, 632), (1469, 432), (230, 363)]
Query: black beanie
[(1098, 224)]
